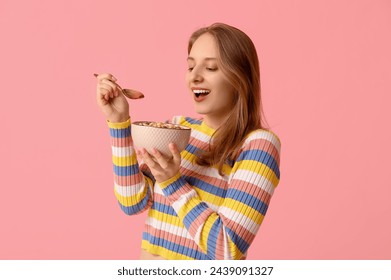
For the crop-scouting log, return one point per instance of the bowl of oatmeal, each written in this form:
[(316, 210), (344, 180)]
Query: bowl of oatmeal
[(149, 135)]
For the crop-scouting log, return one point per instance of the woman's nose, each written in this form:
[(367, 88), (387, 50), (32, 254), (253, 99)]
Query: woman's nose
[(196, 75)]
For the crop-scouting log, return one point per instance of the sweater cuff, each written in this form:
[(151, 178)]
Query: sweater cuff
[(173, 186), (119, 125), (120, 133)]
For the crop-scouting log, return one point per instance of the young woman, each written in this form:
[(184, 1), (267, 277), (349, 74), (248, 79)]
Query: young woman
[(208, 201)]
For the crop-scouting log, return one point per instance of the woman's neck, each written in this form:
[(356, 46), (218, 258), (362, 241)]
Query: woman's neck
[(214, 121)]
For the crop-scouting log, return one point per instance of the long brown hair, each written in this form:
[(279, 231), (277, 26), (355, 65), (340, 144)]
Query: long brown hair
[(239, 62)]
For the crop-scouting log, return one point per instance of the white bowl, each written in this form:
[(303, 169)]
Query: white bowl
[(150, 137)]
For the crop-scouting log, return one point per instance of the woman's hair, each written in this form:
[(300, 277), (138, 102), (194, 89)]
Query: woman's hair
[(238, 60)]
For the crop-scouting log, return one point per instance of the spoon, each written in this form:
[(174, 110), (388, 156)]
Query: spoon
[(129, 93)]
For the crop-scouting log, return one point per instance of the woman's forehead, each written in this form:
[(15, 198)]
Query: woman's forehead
[(204, 47)]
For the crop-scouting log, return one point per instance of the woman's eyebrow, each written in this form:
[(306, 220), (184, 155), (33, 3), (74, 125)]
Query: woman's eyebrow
[(206, 58)]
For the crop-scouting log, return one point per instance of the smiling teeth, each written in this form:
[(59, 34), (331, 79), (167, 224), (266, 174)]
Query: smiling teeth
[(200, 91)]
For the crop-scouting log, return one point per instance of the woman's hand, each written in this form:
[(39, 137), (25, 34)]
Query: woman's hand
[(162, 168), (110, 99)]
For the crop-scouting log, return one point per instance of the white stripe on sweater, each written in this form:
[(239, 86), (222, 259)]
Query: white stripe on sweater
[(130, 190), (122, 151), (239, 218), (254, 178), (264, 134), (155, 223)]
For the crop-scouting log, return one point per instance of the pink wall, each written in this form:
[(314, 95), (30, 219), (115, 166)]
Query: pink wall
[(326, 88)]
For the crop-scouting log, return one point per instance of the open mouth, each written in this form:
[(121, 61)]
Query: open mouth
[(201, 92)]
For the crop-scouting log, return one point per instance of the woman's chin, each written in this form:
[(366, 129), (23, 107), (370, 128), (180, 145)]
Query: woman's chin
[(201, 111)]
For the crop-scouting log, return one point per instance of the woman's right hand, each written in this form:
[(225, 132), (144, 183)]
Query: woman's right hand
[(110, 99)]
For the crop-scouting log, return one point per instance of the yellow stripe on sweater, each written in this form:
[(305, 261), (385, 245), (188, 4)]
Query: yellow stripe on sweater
[(244, 209), (234, 250), (206, 230), (124, 161), (163, 252), (188, 156), (258, 167), (208, 197), (199, 127), (166, 218), (119, 125), (127, 200), (187, 206), (192, 158)]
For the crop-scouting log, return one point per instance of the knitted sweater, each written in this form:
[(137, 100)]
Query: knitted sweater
[(198, 214)]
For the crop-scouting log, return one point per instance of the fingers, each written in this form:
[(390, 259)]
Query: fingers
[(153, 164), (162, 168), (154, 159), (107, 76), (109, 87), (110, 80), (106, 92), (176, 156), (160, 159), (157, 159), (106, 87)]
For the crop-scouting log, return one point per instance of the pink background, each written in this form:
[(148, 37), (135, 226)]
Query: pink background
[(325, 70)]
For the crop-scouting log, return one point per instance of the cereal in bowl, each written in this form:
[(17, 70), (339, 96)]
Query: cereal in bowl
[(160, 125)]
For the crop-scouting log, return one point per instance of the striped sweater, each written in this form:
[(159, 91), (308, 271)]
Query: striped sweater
[(198, 214)]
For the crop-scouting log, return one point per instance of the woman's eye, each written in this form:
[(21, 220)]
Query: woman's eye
[(190, 68), (211, 68)]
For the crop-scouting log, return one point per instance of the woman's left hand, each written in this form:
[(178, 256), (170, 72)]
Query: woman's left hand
[(162, 168)]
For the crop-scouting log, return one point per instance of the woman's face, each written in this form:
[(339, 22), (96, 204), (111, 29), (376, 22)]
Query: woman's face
[(212, 93)]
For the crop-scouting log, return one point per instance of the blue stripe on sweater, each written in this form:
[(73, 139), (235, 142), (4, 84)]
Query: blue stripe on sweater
[(174, 186), (213, 237), (212, 189), (263, 157), (126, 170), (248, 200), (120, 132), (137, 208), (191, 149), (164, 209), (194, 213), (193, 121), (171, 246), (239, 242)]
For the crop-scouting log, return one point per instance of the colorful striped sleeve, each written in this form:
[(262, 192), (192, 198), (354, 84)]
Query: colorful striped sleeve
[(228, 233), (131, 188)]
